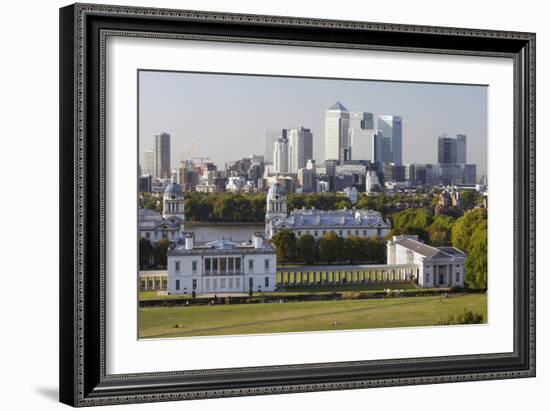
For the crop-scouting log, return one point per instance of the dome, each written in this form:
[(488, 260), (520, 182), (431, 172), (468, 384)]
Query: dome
[(276, 190), (173, 191)]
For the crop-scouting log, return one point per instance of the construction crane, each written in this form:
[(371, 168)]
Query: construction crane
[(201, 159), (187, 154)]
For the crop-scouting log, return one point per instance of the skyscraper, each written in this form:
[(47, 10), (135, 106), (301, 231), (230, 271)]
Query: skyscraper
[(162, 155), (361, 136), (148, 163), (390, 134), (336, 132), (451, 150), (280, 156), (300, 148), (461, 148), (271, 136)]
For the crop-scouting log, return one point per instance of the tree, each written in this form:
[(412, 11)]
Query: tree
[(330, 247), (469, 199), (413, 221), (285, 246), (440, 231), (161, 252), (307, 248), (464, 227), (375, 250), (469, 234), (145, 252), (476, 262), (354, 248)]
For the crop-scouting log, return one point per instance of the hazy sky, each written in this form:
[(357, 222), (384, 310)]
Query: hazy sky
[(223, 117)]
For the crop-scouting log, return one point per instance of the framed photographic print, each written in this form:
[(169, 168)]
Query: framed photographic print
[(262, 204)]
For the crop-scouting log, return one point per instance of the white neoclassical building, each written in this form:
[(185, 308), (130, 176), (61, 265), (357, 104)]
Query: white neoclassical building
[(435, 266), (169, 224), (221, 266), (345, 223)]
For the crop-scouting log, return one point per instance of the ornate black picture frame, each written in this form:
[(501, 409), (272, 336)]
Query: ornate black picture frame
[(83, 30)]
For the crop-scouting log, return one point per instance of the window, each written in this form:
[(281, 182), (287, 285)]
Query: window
[(222, 283), (251, 283), (267, 281), (207, 265), (457, 277), (147, 235), (177, 284), (194, 266), (364, 232), (223, 265), (194, 284), (316, 233), (250, 265), (214, 264), (238, 264), (230, 264), (356, 232), (177, 266), (340, 233), (324, 232), (266, 264)]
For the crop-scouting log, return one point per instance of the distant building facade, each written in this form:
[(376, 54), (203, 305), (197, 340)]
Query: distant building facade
[(221, 266), (436, 266), (345, 223), (169, 224)]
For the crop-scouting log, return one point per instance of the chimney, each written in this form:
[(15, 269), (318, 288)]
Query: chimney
[(189, 241), (258, 240)]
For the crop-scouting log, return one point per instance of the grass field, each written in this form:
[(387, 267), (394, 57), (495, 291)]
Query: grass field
[(159, 322)]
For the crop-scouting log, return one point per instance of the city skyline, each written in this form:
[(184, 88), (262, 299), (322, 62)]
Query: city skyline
[(204, 125)]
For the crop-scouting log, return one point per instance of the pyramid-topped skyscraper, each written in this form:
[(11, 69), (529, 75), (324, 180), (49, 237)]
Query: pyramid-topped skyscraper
[(337, 133)]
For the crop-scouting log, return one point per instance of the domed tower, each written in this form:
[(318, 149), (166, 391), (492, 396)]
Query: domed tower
[(172, 202), (276, 202)]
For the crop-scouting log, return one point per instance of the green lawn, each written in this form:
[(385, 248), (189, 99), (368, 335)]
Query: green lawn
[(158, 322)]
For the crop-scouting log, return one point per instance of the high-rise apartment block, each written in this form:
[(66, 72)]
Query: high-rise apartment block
[(280, 156), (390, 135), (162, 155), (271, 137), (148, 167), (300, 148)]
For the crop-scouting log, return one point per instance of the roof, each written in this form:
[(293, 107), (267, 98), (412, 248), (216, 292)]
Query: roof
[(341, 267), (221, 247), (303, 218), (338, 106), (276, 189), (173, 189), (153, 220), (429, 251)]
